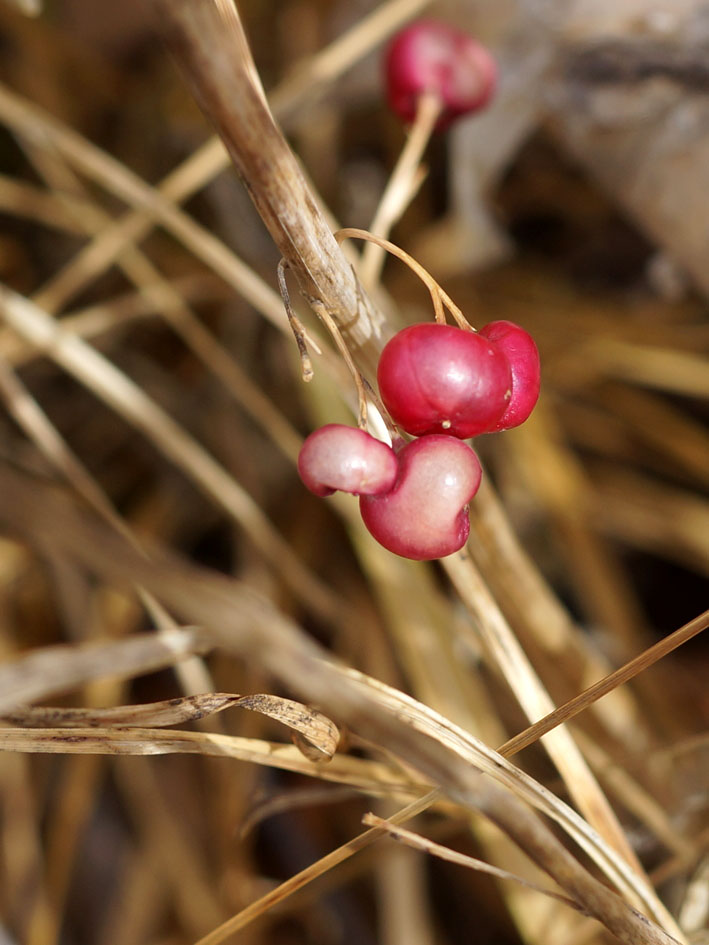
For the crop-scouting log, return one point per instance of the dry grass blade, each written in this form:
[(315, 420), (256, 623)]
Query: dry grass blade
[(535, 700), (243, 622), (368, 776), (496, 766), (610, 682), (675, 371), (26, 119), (117, 390), (167, 712), (25, 200), (117, 313), (52, 670), (211, 159), (318, 730), (417, 842), (311, 873)]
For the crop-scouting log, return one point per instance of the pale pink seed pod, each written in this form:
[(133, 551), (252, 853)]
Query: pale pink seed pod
[(521, 352), (425, 515), (338, 457)]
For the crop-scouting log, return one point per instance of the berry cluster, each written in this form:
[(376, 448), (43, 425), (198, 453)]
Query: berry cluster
[(437, 382), (441, 384)]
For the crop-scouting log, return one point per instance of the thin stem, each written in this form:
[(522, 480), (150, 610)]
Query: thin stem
[(610, 682), (439, 296), (401, 186), (334, 330), (295, 323)]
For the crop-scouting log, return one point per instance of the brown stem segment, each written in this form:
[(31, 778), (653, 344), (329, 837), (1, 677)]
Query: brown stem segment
[(208, 41)]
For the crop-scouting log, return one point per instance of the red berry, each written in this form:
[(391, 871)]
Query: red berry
[(521, 352), (429, 56), (345, 458), (439, 379), (425, 516)]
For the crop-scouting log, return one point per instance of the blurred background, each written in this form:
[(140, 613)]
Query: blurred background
[(576, 206)]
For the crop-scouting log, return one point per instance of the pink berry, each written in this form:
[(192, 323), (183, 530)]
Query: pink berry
[(521, 352), (425, 515), (429, 56), (439, 379), (345, 458)]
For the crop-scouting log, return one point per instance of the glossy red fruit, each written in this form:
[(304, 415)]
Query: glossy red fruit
[(345, 458), (440, 379), (521, 352), (425, 515), (432, 56)]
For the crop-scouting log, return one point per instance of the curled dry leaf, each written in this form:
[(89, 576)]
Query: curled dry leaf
[(311, 728), (314, 734)]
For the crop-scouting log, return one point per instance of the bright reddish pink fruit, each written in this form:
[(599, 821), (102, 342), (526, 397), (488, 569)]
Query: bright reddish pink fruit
[(425, 515), (521, 352), (440, 379), (345, 458), (429, 56)]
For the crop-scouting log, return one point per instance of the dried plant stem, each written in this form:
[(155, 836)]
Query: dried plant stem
[(26, 200), (310, 873), (140, 270), (610, 682), (93, 321), (439, 297), (359, 383), (400, 185), (213, 52), (243, 622), (418, 842), (52, 670), (532, 607), (534, 699)]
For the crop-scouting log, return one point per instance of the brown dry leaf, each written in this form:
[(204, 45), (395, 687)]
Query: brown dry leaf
[(315, 729)]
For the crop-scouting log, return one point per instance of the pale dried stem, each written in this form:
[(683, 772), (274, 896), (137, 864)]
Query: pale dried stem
[(26, 200), (192, 673), (214, 55), (28, 120), (401, 185), (417, 842), (439, 296), (296, 326), (331, 326), (535, 701), (610, 682), (94, 321)]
